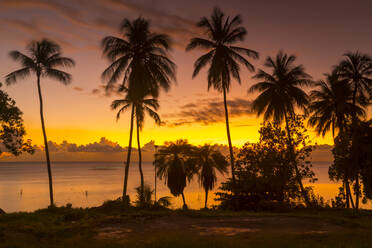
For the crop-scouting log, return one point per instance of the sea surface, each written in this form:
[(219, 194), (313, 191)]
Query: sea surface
[(24, 185)]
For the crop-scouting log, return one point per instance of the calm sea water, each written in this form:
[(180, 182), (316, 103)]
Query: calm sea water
[(24, 186)]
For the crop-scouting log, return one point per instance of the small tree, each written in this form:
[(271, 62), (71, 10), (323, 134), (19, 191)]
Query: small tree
[(12, 131), (173, 164), (264, 169)]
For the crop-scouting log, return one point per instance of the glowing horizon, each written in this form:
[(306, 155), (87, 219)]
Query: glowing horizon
[(80, 113)]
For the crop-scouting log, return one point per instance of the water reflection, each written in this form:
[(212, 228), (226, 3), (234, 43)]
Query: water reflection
[(24, 186)]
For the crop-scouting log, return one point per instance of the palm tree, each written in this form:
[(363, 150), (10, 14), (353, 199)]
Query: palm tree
[(280, 93), (44, 60), (173, 164), (331, 109), (332, 105), (208, 160), (223, 56), (356, 69), (139, 107), (141, 58)]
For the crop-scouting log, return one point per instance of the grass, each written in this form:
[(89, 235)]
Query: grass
[(114, 226)]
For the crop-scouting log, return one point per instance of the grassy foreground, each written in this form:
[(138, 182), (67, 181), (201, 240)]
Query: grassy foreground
[(110, 226)]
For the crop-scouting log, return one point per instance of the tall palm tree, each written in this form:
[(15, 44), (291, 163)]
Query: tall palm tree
[(223, 57), (280, 93), (208, 160), (173, 164), (141, 58), (43, 60), (140, 106), (356, 69), (331, 109)]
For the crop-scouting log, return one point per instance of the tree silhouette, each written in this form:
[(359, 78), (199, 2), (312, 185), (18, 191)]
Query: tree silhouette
[(141, 106), (223, 56), (356, 69), (12, 130), (208, 160), (173, 164), (141, 58), (331, 109), (43, 60), (280, 94)]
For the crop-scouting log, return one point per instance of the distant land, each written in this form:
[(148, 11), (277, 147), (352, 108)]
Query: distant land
[(105, 150)]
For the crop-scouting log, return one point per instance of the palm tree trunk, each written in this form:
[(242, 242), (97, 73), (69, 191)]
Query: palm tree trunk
[(206, 199), (45, 143), (356, 162), (229, 138), (292, 158), (140, 158), (125, 197), (184, 201)]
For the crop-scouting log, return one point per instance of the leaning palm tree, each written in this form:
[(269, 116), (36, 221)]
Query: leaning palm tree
[(223, 56), (43, 61), (331, 109), (173, 164), (140, 58), (356, 69), (208, 160), (280, 93)]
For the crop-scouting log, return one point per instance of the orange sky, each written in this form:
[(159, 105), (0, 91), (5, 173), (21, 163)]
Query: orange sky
[(316, 32)]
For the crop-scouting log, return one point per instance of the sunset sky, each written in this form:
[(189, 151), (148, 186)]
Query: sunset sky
[(317, 31)]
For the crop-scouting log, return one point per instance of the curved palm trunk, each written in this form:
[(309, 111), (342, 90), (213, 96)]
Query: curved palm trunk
[(45, 143), (125, 197), (206, 199), (140, 159), (229, 138), (292, 157), (356, 159), (184, 201)]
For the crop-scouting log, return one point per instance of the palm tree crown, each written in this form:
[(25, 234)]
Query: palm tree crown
[(332, 105), (173, 164), (208, 160), (141, 106), (223, 56), (142, 57), (356, 69), (43, 60), (280, 89)]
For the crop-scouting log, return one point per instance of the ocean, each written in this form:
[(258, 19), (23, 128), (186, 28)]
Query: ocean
[(24, 185)]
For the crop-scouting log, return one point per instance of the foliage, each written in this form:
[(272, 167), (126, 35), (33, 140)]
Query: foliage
[(165, 201), (280, 90), (12, 131), (144, 196), (332, 107), (141, 56), (207, 160), (44, 59), (174, 165), (264, 170)]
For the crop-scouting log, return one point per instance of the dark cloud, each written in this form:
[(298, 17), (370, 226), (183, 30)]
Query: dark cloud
[(207, 111), (101, 91), (78, 89), (92, 17)]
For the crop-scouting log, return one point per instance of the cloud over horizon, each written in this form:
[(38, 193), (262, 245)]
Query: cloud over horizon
[(208, 111)]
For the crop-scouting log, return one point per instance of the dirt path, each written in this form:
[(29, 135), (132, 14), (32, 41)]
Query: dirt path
[(227, 226)]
